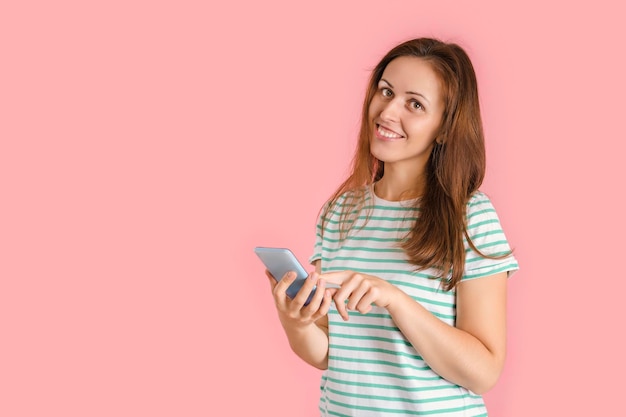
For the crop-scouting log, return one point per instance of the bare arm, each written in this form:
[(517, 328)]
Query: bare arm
[(470, 354), (306, 327)]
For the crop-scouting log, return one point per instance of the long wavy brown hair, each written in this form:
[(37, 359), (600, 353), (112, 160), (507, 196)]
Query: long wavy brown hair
[(455, 169)]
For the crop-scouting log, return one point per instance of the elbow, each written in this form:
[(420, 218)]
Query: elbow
[(315, 361), (321, 367), (482, 388), (487, 377), (484, 382)]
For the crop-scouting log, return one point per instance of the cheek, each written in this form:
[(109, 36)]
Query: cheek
[(374, 109), (422, 128)]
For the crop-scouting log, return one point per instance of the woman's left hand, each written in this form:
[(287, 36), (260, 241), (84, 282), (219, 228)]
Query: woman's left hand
[(361, 291)]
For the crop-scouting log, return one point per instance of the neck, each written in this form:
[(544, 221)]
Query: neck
[(397, 186)]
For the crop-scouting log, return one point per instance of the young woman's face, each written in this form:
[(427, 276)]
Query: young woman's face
[(405, 113)]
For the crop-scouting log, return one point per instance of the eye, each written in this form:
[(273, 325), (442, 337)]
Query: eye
[(386, 92), (415, 105)]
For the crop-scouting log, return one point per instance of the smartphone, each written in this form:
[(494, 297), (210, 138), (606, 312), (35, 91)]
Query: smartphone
[(279, 261)]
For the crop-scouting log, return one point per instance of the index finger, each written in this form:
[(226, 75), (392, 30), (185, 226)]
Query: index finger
[(273, 281), (336, 278)]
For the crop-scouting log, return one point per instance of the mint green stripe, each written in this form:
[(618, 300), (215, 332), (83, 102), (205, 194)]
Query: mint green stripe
[(339, 212), (475, 225), (381, 271), (374, 228), (506, 267), (365, 249), (434, 302), (418, 299), (366, 260), (390, 387), (384, 374), (334, 413), (376, 350), (379, 362), (342, 203), (373, 338), (478, 213), (394, 219), (381, 218), (411, 412), (364, 326), (395, 208), (487, 233), (372, 208), (488, 245), (379, 315), (480, 258), (478, 201), (398, 400), (370, 239)]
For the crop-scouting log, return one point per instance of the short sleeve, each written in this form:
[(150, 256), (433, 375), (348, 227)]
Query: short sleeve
[(317, 248), (485, 231)]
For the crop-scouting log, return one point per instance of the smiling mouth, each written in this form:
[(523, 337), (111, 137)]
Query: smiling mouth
[(386, 133)]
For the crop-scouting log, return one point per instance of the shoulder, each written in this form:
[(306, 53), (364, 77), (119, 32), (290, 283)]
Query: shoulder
[(356, 194), (488, 238), (480, 213), (479, 203), (347, 200), (477, 199)]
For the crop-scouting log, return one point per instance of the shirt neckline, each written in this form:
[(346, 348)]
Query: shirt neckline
[(381, 201)]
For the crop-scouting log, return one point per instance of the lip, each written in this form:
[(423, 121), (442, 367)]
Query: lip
[(385, 138)]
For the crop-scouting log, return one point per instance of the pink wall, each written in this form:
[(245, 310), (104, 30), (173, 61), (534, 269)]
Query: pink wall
[(147, 147)]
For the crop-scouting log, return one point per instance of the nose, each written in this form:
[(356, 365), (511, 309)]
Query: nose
[(391, 111)]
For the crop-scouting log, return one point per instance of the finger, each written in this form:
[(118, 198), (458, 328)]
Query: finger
[(348, 287), (279, 290), (271, 279), (285, 281), (364, 305), (340, 305), (356, 295), (332, 290), (304, 291), (325, 305), (317, 298), (337, 277)]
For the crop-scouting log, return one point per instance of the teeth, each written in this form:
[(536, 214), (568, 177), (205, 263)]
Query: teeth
[(387, 134)]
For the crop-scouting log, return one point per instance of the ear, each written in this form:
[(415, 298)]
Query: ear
[(441, 135)]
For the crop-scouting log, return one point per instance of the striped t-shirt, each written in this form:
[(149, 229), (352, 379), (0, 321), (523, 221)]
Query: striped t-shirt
[(373, 370)]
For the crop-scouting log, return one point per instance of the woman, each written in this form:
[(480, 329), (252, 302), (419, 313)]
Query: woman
[(418, 324)]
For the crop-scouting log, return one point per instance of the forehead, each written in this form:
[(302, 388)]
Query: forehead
[(409, 73)]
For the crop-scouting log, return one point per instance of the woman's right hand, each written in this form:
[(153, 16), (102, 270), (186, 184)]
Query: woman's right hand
[(293, 313)]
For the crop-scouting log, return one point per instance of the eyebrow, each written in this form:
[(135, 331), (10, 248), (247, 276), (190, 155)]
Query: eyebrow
[(408, 92)]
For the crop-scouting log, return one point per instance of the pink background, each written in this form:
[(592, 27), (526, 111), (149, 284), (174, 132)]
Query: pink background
[(147, 147)]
